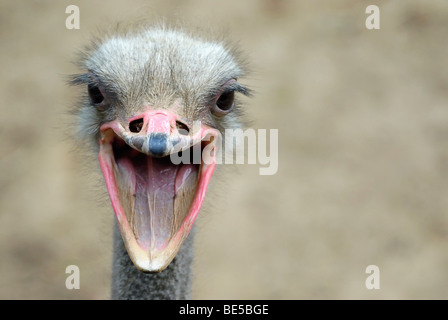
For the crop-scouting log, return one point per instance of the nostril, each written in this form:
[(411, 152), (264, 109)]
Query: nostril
[(182, 128), (136, 125)]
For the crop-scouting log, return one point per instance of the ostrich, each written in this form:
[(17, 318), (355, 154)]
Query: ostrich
[(152, 96)]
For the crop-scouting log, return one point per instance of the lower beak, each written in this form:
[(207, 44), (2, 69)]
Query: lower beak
[(156, 197)]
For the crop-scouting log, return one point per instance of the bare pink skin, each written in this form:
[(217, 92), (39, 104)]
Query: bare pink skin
[(154, 253), (157, 121)]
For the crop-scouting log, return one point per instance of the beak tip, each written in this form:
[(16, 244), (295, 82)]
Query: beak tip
[(147, 265), (150, 261), (157, 144)]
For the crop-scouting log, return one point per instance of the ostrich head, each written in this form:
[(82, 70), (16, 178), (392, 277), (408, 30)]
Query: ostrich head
[(152, 97)]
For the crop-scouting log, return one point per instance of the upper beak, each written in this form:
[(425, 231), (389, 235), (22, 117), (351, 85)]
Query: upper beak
[(156, 197)]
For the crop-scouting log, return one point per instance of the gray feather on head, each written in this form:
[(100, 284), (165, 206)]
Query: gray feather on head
[(158, 67)]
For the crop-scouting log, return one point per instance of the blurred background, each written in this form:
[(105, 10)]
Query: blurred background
[(363, 153)]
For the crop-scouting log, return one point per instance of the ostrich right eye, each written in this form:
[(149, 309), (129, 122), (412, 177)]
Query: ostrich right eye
[(95, 94), (223, 104)]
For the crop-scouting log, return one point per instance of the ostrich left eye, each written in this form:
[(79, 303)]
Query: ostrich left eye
[(95, 94), (224, 104)]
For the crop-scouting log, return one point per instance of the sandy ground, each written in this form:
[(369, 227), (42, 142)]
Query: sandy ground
[(362, 180)]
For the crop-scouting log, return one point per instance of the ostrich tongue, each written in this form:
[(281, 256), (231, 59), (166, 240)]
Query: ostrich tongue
[(156, 197)]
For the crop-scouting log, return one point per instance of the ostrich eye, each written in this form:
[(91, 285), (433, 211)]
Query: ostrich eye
[(224, 103), (95, 94)]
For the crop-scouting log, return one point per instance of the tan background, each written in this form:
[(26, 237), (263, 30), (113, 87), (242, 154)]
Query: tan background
[(363, 159)]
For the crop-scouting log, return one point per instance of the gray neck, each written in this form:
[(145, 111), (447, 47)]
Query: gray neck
[(172, 283)]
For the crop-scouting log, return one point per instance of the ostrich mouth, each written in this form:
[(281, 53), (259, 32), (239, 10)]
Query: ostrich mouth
[(155, 200)]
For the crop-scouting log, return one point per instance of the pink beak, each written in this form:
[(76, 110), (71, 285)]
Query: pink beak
[(156, 197)]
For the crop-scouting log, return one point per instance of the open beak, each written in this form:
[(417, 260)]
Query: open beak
[(156, 173)]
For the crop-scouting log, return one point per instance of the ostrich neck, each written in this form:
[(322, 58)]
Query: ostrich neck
[(172, 283)]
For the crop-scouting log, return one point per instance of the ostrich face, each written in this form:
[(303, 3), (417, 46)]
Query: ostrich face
[(151, 96)]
